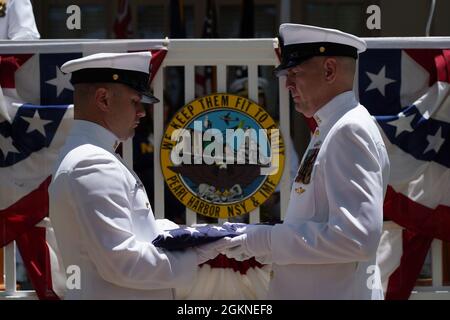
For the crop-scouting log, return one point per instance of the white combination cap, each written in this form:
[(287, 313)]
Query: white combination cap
[(299, 43), (131, 69)]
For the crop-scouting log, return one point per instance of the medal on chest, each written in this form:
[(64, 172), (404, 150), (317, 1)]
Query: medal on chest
[(305, 170)]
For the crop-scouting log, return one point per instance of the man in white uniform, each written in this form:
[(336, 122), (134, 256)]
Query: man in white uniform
[(99, 209), (17, 20), (326, 247)]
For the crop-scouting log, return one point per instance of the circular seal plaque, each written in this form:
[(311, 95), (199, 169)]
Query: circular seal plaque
[(222, 155)]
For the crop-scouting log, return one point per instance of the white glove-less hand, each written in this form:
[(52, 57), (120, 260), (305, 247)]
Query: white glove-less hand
[(255, 242), (211, 250)]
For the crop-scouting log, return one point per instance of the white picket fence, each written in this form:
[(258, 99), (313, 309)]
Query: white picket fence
[(189, 54)]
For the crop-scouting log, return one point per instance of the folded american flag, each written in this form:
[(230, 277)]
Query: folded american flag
[(182, 238)]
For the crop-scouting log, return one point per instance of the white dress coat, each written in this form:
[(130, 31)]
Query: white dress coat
[(326, 246), (104, 224), (18, 23)]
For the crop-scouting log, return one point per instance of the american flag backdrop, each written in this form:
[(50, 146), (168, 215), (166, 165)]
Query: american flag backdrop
[(407, 91), (30, 138)]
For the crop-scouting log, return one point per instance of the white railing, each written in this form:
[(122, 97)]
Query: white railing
[(219, 53)]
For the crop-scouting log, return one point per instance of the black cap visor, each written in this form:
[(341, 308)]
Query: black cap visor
[(295, 54)]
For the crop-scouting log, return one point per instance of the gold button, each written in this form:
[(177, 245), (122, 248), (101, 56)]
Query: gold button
[(115, 76), (299, 190), (322, 49), (317, 132)]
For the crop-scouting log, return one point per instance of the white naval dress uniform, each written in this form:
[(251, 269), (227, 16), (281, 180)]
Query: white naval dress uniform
[(18, 23), (333, 224), (104, 224)]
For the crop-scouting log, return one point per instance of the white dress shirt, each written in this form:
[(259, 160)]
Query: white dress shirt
[(104, 224), (18, 23), (326, 247)]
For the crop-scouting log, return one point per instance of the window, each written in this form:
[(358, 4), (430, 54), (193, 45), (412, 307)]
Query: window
[(265, 17), (189, 19), (229, 21), (348, 17), (150, 22)]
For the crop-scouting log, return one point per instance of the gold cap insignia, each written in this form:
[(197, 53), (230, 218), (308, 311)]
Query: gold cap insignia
[(115, 76), (322, 49)]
